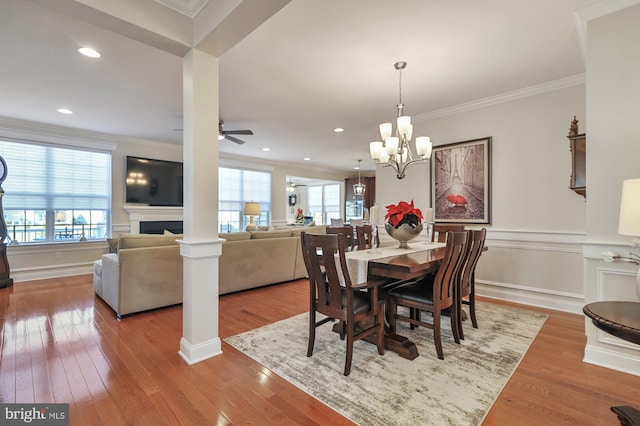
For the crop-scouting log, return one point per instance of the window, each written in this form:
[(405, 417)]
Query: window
[(55, 194), (237, 186), (324, 202)]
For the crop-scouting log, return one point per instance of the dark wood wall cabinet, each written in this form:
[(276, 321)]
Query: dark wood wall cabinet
[(369, 196), (578, 148)]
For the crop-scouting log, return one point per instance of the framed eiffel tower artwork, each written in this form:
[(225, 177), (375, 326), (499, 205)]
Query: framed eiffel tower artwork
[(461, 182)]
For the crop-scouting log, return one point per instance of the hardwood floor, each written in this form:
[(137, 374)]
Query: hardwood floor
[(60, 343)]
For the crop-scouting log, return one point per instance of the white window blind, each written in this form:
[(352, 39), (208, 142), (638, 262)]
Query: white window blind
[(324, 202), (46, 177), (237, 186), (55, 194)]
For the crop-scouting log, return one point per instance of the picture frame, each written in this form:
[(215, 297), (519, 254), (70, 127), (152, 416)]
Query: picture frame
[(461, 182)]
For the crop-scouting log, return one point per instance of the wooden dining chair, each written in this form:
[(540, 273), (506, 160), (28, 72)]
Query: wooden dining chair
[(347, 231), (432, 293), (360, 312), (440, 230), (366, 238), (466, 284)]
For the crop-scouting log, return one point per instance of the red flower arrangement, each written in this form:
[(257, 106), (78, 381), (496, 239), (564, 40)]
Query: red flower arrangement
[(402, 213)]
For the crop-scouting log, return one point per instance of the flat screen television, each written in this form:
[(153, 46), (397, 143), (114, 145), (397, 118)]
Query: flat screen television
[(154, 182)]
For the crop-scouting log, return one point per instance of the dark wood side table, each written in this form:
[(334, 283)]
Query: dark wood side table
[(620, 319)]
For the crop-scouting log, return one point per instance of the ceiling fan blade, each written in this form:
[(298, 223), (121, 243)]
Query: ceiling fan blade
[(237, 132), (232, 139)]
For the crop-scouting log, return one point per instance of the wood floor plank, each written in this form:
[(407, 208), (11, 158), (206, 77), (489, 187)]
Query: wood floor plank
[(115, 372)]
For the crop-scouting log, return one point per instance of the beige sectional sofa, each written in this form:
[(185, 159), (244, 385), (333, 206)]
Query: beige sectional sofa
[(145, 271), (254, 259)]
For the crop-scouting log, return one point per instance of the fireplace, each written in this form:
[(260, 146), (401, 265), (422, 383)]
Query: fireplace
[(154, 220), (159, 226)]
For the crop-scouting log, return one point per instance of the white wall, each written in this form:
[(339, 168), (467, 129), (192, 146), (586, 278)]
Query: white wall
[(537, 222), (613, 151)]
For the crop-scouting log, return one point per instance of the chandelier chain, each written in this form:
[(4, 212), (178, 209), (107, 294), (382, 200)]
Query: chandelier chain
[(400, 91)]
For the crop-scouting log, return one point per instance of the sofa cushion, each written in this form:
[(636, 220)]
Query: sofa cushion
[(256, 262), (320, 229), (145, 240), (236, 236), (255, 235)]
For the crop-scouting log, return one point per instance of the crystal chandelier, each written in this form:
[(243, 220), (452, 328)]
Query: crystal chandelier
[(358, 188), (395, 150)]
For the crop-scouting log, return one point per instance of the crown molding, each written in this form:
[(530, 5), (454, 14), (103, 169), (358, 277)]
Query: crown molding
[(12, 128), (592, 11), (526, 92), (189, 8), (602, 8)]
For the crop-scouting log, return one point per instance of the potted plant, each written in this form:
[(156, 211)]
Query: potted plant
[(403, 222)]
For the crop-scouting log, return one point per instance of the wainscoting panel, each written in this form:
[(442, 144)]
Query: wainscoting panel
[(41, 261), (536, 268)]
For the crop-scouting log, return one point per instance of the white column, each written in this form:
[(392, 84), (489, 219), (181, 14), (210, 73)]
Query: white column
[(201, 246)]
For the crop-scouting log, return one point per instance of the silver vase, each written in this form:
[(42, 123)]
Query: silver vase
[(403, 233)]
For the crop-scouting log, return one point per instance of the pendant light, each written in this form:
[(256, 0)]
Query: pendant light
[(359, 188)]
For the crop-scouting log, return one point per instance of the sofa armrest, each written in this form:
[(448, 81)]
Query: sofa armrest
[(111, 280)]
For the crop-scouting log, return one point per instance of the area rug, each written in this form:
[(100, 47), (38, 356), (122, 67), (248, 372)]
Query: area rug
[(389, 390)]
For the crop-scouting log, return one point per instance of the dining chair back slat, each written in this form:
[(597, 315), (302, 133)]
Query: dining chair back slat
[(440, 230), (466, 286), (347, 231), (366, 237)]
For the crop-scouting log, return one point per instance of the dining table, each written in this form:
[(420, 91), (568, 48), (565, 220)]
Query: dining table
[(389, 265)]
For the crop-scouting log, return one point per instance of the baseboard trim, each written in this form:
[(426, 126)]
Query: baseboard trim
[(613, 360), (201, 351), (52, 271), (559, 301)]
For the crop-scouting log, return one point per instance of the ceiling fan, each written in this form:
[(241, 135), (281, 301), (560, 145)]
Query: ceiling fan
[(291, 186), (225, 134)]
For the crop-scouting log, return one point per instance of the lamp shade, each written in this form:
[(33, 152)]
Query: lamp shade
[(385, 130), (375, 148), (629, 223), (251, 209)]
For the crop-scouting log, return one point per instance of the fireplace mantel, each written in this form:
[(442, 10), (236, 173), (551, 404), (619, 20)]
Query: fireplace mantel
[(139, 214)]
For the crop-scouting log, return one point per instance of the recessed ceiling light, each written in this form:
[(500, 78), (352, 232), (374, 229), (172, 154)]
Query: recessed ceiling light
[(89, 52), (265, 149), (338, 130), (307, 159), (64, 111)]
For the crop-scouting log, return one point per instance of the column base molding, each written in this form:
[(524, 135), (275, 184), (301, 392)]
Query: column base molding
[(192, 354)]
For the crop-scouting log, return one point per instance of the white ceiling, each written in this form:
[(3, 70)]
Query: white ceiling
[(314, 66)]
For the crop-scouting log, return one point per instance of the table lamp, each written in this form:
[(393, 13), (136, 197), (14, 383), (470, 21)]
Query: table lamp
[(629, 222), (251, 210)]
